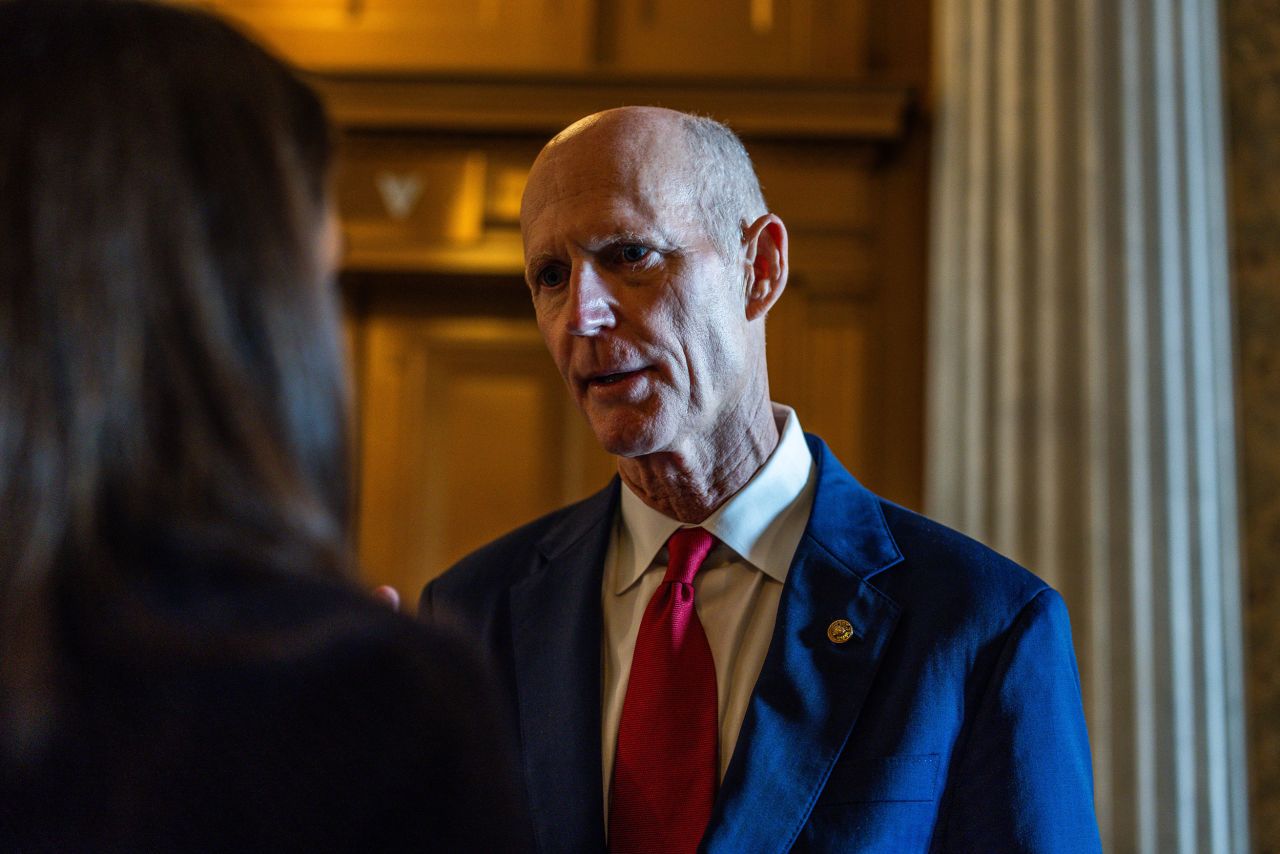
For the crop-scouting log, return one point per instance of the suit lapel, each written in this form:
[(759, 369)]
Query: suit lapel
[(810, 689), (555, 613)]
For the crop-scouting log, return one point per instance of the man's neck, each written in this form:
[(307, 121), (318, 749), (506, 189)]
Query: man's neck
[(691, 483)]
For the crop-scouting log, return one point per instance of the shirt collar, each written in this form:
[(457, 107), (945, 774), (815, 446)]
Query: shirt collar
[(753, 522)]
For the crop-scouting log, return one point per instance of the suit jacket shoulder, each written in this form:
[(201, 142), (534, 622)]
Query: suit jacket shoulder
[(953, 579)]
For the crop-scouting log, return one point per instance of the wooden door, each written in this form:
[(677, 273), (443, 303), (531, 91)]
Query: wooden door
[(465, 428)]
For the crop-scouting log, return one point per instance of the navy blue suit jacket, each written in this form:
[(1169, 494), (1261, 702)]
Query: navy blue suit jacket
[(951, 721)]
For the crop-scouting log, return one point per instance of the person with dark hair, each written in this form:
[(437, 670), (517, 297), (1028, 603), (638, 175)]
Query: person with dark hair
[(185, 662)]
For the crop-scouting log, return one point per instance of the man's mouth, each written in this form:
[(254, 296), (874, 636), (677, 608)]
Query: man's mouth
[(612, 378)]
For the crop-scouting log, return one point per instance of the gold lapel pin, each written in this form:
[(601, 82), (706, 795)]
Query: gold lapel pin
[(840, 631)]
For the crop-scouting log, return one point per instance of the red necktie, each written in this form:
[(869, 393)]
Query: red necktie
[(665, 769)]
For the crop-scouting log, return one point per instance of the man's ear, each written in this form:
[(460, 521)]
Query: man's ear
[(765, 241)]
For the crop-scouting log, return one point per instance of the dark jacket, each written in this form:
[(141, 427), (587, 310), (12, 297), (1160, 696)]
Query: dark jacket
[(264, 714)]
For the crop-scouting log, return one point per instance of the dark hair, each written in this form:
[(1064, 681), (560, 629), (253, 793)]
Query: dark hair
[(172, 397)]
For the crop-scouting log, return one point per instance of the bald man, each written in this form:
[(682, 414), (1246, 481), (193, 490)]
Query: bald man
[(734, 646)]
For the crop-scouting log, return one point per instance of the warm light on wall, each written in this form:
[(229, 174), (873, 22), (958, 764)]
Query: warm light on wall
[(762, 16)]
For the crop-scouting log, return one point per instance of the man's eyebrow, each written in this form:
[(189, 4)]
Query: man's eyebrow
[(626, 235), (652, 236), (537, 259)]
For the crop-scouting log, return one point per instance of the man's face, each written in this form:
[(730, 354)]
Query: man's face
[(644, 319)]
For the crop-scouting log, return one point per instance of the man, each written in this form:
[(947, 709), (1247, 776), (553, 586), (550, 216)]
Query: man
[(840, 674)]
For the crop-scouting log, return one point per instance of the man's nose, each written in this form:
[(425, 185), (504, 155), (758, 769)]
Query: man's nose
[(590, 306)]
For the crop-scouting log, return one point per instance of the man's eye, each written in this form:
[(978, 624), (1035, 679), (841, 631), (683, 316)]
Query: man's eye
[(551, 277), (633, 253)]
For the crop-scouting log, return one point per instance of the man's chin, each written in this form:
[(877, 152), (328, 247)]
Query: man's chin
[(627, 447), (622, 440)]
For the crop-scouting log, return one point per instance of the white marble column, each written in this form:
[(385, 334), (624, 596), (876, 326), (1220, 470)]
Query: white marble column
[(1081, 400)]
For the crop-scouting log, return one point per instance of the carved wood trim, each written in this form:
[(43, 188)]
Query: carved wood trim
[(756, 109)]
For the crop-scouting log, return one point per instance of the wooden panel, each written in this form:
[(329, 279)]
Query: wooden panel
[(817, 187), (786, 328), (395, 193), (901, 260), (845, 111), (725, 38), (466, 432), (758, 38), (843, 40), (838, 405), (417, 35), (420, 202), (499, 446), (677, 36), (821, 361)]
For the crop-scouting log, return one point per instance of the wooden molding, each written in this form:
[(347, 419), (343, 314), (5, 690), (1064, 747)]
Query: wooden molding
[(499, 253), (757, 109)]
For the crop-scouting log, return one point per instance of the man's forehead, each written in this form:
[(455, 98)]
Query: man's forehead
[(602, 190), (654, 166)]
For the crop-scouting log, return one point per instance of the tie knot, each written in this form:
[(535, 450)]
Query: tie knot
[(686, 550)]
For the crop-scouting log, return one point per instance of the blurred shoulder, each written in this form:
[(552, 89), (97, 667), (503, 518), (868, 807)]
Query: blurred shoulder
[(312, 714)]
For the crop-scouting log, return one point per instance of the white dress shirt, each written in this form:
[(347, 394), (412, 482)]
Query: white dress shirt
[(736, 592)]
